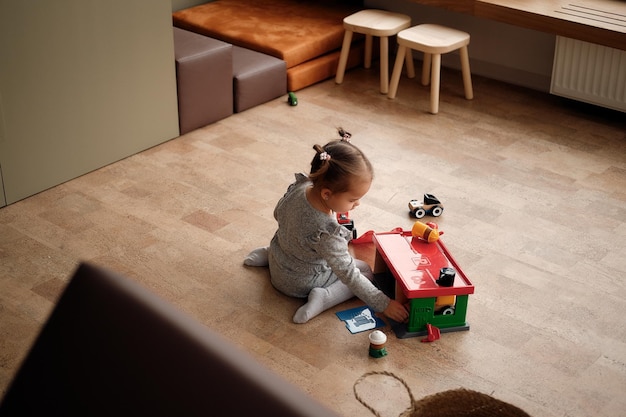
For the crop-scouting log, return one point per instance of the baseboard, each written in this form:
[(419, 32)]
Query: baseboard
[(539, 82)]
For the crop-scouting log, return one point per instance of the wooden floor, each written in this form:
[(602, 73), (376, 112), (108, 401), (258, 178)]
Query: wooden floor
[(534, 189)]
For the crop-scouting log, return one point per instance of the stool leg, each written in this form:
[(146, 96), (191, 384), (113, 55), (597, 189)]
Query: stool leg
[(467, 75), (434, 83), (368, 51), (397, 69), (384, 64), (426, 69), (343, 58), (410, 68)]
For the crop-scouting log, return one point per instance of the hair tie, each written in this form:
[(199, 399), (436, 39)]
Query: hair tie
[(345, 136), (324, 156)]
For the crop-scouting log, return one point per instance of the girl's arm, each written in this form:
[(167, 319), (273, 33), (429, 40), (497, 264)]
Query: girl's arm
[(334, 249)]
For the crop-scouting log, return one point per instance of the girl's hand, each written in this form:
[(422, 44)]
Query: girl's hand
[(397, 312)]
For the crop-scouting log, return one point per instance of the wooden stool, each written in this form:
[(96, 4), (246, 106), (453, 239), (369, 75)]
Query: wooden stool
[(432, 40), (371, 23)]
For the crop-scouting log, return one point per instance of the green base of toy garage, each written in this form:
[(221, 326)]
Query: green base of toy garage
[(422, 313)]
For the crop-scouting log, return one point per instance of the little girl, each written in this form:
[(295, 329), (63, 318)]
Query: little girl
[(308, 256)]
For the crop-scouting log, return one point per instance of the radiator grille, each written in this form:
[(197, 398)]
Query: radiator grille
[(588, 72)]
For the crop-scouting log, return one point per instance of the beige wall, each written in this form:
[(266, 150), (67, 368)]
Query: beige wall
[(3, 200), (83, 83)]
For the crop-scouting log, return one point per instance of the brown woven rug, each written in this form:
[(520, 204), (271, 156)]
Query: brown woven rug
[(457, 402)]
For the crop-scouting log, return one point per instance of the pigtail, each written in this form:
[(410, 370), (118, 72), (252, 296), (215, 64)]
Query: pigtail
[(319, 164), (344, 134), (323, 155)]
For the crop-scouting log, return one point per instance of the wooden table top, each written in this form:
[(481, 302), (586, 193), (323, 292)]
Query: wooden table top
[(597, 21)]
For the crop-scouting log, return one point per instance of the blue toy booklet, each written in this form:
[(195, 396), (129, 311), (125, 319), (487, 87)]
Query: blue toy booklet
[(360, 319)]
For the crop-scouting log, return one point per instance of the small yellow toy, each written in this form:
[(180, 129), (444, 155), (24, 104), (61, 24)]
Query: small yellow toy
[(425, 232)]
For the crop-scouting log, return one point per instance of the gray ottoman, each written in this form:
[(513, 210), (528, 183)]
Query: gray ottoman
[(257, 78), (204, 68)]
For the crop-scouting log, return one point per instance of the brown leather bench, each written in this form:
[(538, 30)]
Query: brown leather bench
[(307, 35)]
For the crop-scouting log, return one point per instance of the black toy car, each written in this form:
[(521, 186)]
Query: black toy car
[(430, 205)]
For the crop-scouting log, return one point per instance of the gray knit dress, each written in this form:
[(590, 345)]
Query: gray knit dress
[(310, 249)]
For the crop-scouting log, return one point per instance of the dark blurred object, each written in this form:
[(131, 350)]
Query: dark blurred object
[(112, 348)]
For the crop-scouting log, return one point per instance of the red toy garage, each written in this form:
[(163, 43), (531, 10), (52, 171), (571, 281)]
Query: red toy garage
[(427, 278)]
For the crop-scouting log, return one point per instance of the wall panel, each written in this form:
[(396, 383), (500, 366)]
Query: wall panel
[(83, 83)]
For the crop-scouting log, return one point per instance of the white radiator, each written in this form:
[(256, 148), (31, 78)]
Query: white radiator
[(591, 73)]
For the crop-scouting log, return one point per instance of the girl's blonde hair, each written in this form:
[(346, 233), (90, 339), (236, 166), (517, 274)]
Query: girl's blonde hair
[(338, 163)]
